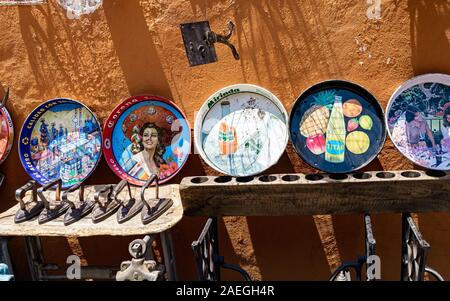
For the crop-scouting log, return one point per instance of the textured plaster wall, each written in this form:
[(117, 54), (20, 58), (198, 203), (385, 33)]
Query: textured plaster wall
[(131, 47)]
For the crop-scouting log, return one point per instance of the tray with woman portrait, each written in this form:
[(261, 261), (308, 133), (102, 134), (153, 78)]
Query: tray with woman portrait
[(146, 135)]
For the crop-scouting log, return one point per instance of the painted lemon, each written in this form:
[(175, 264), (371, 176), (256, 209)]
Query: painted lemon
[(357, 142), (366, 122), (352, 108)]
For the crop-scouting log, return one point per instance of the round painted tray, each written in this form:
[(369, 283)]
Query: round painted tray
[(241, 130), (337, 126), (60, 139), (6, 134), (146, 135), (418, 120)]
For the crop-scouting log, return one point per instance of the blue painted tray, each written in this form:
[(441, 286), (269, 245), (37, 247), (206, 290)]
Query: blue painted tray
[(61, 138)]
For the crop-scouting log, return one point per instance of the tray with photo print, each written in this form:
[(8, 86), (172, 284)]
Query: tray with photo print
[(337, 126), (241, 130), (418, 120)]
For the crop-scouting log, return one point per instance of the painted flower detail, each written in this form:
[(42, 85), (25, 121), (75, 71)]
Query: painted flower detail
[(166, 170), (169, 119)]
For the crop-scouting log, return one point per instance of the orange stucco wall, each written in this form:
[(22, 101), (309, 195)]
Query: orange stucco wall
[(131, 47)]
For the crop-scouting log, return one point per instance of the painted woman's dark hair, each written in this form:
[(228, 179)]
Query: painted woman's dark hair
[(446, 122), (411, 112), (160, 148)]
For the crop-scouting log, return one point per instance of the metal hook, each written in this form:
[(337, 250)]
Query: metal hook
[(213, 37)]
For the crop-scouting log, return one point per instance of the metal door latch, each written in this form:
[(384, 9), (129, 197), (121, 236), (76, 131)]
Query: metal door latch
[(138, 268), (199, 42)]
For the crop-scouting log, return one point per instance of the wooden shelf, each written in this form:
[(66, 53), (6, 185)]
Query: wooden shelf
[(299, 194), (268, 195)]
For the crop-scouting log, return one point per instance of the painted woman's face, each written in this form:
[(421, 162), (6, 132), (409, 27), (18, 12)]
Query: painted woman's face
[(418, 117), (150, 138), (447, 117)]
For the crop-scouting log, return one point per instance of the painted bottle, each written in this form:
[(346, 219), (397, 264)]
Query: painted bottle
[(227, 134), (335, 143)]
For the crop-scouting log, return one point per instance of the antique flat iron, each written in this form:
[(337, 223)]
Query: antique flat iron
[(52, 210), (31, 209), (79, 209), (104, 209), (154, 207), (129, 208)]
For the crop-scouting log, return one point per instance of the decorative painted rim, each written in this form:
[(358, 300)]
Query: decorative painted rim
[(350, 87), (26, 139), (216, 98), (119, 115), (9, 137), (439, 78)]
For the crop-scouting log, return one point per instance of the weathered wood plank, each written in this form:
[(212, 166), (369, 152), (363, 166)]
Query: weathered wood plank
[(85, 226), (302, 195)]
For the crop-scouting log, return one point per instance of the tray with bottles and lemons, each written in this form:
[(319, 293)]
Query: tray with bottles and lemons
[(337, 126)]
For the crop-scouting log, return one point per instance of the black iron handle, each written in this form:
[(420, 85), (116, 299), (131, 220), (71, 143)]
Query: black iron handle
[(65, 195), (107, 188), (20, 193), (213, 37), (118, 189), (41, 190), (149, 182)]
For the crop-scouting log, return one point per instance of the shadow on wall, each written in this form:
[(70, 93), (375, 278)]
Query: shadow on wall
[(135, 48), (429, 21), (53, 43), (267, 39), (294, 253)]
